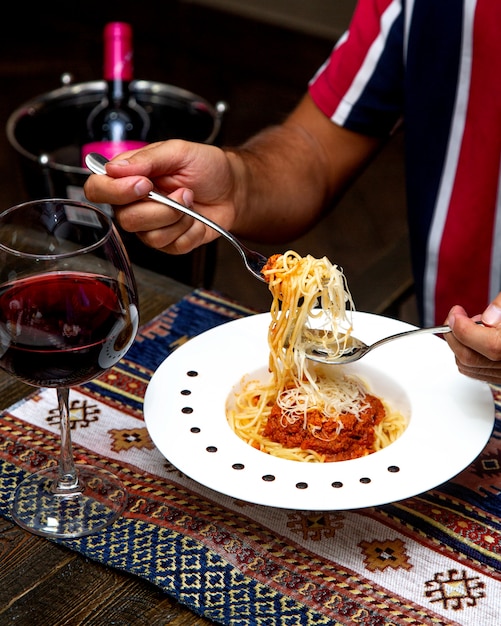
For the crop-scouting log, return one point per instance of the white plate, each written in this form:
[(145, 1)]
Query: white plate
[(450, 419)]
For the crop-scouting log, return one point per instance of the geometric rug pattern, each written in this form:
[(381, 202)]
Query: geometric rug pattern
[(433, 559)]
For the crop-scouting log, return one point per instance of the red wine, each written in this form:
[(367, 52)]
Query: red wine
[(63, 328), (118, 123)]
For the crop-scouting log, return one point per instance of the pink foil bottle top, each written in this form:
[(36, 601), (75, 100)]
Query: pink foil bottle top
[(110, 149), (118, 123), (118, 52)]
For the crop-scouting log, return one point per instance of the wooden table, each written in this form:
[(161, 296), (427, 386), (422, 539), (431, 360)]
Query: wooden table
[(43, 584)]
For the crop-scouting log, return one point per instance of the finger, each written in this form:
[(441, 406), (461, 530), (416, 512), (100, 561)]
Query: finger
[(117, 191), (473, 351), (153, 160), (486, 374), (467, 334), (179, 238), (473, 364), (492, 314), (164, 228), (149, 215)]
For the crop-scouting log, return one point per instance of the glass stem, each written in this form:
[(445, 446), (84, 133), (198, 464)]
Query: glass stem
[(67, 479)]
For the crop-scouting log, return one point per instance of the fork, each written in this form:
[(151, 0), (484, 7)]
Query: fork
[(254, 261)]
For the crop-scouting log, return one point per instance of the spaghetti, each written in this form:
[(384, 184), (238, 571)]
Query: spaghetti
[(306, 411)]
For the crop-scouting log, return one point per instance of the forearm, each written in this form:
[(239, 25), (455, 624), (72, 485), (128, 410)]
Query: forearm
[(287, 175), (276, 196)]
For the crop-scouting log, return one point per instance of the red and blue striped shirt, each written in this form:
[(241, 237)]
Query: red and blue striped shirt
[(432, 66)]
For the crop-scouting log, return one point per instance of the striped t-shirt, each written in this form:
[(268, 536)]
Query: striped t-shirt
[(433, 66)]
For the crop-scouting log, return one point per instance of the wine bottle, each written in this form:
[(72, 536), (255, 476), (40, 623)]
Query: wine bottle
[(118, 122)]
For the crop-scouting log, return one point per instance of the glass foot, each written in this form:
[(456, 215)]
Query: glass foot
[(97, 501)]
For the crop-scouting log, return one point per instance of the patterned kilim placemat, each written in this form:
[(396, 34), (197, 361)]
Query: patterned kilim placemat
[(433, 559)]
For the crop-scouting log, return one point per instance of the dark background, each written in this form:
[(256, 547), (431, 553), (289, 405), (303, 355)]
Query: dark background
[(260, 70)]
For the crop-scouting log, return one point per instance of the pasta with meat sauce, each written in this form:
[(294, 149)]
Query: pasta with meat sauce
[(308, 411)]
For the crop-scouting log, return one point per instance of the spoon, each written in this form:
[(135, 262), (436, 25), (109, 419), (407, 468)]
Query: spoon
[(349, 349), (254, 261)]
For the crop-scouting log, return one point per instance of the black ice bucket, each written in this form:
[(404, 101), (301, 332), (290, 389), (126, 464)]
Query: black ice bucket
[(47, 133)]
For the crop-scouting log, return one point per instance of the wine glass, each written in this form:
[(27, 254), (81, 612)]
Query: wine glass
[(68, 312)]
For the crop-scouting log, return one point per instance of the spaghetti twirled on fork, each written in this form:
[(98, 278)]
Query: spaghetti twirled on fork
[(306, 411)]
